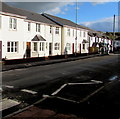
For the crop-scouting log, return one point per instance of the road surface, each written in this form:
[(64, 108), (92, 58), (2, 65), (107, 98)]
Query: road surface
[(22, 78)]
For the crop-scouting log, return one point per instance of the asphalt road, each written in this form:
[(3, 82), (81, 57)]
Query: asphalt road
[(22, 78)]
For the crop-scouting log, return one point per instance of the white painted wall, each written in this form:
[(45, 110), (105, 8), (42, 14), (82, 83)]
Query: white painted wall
[(71, 39), (22, 36), (12, 35)]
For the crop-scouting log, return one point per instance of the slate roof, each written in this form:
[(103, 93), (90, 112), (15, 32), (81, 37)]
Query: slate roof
[(38, 38), (30, 15), (63, 22)]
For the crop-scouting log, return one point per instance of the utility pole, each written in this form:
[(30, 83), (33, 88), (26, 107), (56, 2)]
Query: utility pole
[(114, 26), (76, 28), (113, 31)]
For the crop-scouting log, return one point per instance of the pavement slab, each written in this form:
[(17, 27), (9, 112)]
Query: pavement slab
[(35, 112), (8, 103)]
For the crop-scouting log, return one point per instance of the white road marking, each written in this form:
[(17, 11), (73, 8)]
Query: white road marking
[(7, 86), (65, 73), (29, 91), (87, 83), (96, 81), (58, 90)]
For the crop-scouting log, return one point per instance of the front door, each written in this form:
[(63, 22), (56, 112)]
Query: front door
[(0, 50), (28, 49), (80, 48), (73, 48), (50, 48)]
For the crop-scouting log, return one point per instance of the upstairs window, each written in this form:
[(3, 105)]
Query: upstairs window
[(84, 34), (80, 33), (57, 46), (68, 32), (57, 30), (13, 23), (50, 29), (12, 46), (29, 26), (0, 21), (37, 27), (73, 32)]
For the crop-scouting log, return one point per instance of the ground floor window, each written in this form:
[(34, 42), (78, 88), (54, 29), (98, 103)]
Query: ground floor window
[(42, 44), (38, 46), (57, 46), (35, 47), (68, 46), (83, 46), (12, 46)]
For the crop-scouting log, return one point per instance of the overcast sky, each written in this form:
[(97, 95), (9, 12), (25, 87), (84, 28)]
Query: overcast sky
[(96, 15)]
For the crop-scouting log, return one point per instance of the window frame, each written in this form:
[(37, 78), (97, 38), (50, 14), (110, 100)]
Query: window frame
[(0, 22), (68, 46), (57, 30), (80, 33), (73, 33), (68, 31), (42, 46), (50, 29), (35, 48), (83, 47), (12, 46), (57, 46), (38, 27), (84, 34), (29, 26), (13, 23)]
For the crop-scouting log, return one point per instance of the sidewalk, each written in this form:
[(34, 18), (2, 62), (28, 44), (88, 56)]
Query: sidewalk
[(46, 62), (39, 113)]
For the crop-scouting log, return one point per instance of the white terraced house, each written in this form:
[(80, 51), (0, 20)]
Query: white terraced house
[(99, 40), (74, 36), (26, 34)]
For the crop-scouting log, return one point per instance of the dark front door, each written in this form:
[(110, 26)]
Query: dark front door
[(0, 50), (80, 48), (73, 48), (50, 48), (28, 49)]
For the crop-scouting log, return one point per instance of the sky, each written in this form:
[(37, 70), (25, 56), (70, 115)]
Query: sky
[(95, 15)]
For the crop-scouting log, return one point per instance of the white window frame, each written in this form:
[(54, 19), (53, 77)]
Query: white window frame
[(73, 32), (50, 29), (68, 46), (57, 46), (68, 31), (13, 23), (29, 26), (80, 34), (12, 46), (57, 30), (83, 47), (84, 34), (42, 46), (37, 27), (0, 21), (35, 48)]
